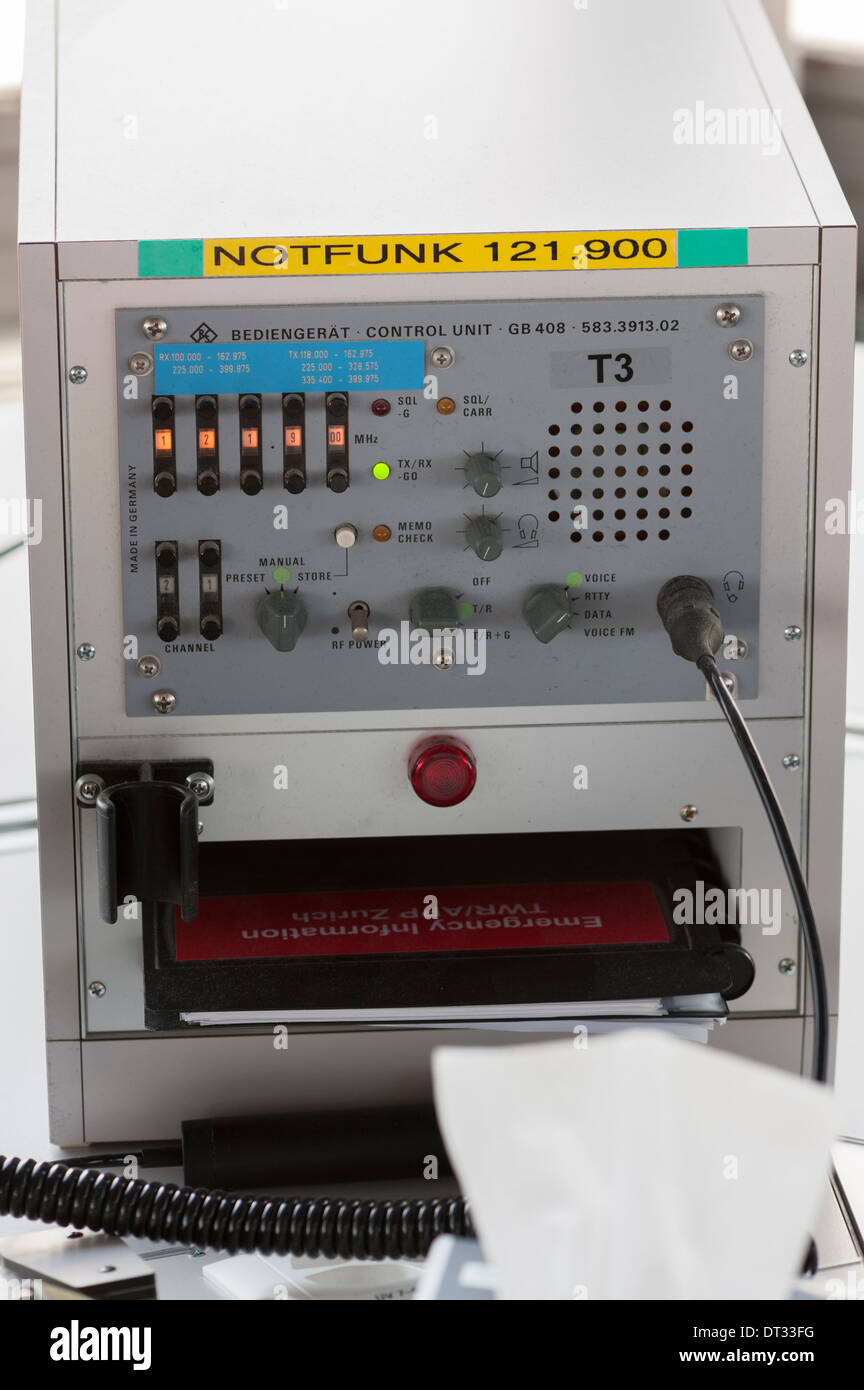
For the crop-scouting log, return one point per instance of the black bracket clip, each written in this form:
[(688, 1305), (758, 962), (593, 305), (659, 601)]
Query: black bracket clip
[(147, 832)]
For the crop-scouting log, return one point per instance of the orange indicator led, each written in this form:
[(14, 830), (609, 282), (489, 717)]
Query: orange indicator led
[(163, 441)]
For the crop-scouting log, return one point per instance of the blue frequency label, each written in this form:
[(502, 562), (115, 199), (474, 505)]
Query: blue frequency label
[(267, 368)]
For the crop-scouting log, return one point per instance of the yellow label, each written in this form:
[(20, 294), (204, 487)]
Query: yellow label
[(441, 255)]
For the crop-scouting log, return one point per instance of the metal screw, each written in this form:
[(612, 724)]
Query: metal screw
[(200, 828), (86, 651), (444, 659), (442, 357), (164, 701), (106, 1269), (727, 315), (77, 375), (786, 966), (798, 357), (791, 760), (141, 363), (148, 666), (97, 989), (87, 788), (154, 328), (792, 633), (740, 350), (734, 648), (689, 812), (202, 784)]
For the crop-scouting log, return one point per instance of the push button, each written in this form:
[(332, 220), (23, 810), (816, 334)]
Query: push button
[(442, 771)]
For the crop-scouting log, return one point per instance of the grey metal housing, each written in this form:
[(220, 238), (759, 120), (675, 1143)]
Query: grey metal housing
[(574, 131)]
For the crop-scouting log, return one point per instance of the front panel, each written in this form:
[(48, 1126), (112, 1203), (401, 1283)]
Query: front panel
[(597, 730), (508, 474)]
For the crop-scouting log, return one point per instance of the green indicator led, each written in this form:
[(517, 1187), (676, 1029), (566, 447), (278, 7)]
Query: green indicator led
[(381, 471), (574, 579), (281, 575), (466, 611)]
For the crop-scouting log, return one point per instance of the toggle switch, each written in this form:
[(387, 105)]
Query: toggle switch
[(484, 537), (484, 474), (358, 614), (548, 611), (282, 618)]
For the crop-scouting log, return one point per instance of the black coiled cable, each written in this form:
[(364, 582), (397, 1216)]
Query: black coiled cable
[(335, 1228)]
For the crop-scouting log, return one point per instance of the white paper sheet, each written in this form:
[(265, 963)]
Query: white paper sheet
[(634, 1166)]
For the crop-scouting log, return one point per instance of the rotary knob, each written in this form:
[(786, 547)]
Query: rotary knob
[(484, 474), (547, 611), (282, 617), (434, 610), (484, 537)]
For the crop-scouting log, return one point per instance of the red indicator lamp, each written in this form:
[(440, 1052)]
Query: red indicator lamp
[(442, 771)]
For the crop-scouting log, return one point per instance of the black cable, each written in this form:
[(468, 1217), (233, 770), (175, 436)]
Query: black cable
[(332, 1227), (812, 947), (686, 608)]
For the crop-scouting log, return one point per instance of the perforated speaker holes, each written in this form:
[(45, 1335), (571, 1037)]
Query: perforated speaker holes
[(630, 461)]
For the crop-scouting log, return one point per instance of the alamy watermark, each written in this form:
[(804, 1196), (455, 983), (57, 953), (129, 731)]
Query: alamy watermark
[(745, 907), (844, 516), (21, 516), (439, 647), (103, 1343), (712, 125)]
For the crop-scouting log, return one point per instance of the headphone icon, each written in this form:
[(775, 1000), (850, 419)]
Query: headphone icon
[(733, 583)]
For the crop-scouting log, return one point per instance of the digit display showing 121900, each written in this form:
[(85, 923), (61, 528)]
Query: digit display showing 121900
[(495, 504)]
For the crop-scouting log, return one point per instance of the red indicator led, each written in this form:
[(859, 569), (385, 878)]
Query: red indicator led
[(442, 771)]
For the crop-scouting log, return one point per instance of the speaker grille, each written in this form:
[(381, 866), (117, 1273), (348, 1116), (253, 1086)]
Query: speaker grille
[(621, 470)]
